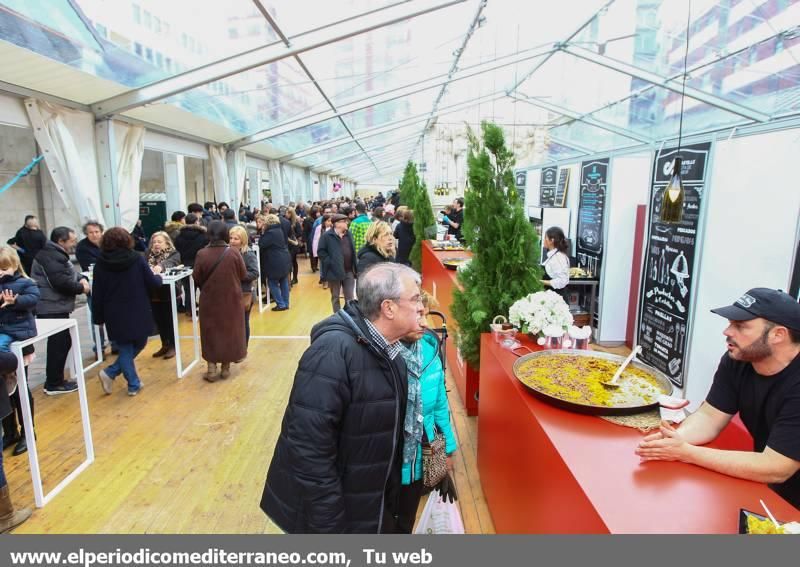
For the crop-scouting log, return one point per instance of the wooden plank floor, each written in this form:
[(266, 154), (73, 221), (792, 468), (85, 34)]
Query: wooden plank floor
[(186, 456)]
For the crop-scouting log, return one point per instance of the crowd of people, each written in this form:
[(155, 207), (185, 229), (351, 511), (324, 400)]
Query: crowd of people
[(120, 273)]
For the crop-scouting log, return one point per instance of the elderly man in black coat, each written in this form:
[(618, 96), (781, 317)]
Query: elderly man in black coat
[(337, 254), (336, 466)]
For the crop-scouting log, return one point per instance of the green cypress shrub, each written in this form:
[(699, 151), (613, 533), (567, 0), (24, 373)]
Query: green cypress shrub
[(505, 264)]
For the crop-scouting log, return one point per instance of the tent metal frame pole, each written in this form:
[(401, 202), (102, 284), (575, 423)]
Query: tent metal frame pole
[(267, 54), (367, 149)]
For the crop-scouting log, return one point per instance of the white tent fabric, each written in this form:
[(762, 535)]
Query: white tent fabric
[(309, 185), (67, 140), (237, 169), (128, 153), (276, 182), (315, 187), (219, 172), (324, 180)]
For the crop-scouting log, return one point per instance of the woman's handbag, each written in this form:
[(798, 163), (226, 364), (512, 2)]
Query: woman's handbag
[(247, 300), (434, 460)]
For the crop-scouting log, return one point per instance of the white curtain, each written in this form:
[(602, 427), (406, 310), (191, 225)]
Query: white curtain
[(237, 169), (287, 174), (276, 182), (315, 187), (219, 172), (66, 138), (127, 154)]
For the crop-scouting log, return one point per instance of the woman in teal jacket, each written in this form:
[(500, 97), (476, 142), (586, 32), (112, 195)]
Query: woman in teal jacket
[(426, 380)]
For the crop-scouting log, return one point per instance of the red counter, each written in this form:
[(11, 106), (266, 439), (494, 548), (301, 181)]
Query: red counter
[(547, 470), (440, 282)]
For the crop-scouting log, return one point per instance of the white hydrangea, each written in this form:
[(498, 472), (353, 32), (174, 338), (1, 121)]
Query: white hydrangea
[(540, 310)]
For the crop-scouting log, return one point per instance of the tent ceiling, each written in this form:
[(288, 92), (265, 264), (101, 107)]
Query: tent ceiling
[(351, 87)]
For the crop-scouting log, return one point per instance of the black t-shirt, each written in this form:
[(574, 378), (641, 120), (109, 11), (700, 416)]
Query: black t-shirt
[(456, 217), (769, 407)]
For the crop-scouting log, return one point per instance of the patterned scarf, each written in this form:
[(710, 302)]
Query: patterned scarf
[(157, 258), (412, 426)]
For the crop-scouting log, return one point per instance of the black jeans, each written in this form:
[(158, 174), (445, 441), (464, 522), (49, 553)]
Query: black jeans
[(295, 267), (407, 505), (162, 313), (58, 346), (13, 423)]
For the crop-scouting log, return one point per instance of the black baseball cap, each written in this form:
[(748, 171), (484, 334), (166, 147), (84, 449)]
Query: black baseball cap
[(770, 304)]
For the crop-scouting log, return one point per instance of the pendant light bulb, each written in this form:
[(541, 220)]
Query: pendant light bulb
[(672, 204)]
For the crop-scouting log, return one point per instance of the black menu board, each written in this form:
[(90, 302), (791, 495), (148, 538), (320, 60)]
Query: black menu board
[(547, 187), (560, 197), (521, 183), (589, 247), (665, 300)]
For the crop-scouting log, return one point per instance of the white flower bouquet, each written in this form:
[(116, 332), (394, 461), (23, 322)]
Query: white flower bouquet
[(540, 311)]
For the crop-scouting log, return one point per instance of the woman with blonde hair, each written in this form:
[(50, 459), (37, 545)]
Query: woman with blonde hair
[(238, 240), (379, 246), (161, 256)]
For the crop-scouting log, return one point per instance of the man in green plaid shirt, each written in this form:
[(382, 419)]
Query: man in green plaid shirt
[(359, 226)]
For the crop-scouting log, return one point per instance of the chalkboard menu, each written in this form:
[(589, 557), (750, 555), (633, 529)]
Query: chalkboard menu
[(589, 247), (547, 187), (666, 293), (560, 197), (521, 184)]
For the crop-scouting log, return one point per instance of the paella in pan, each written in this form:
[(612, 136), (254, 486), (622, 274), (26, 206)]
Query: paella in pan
[(573, 379)]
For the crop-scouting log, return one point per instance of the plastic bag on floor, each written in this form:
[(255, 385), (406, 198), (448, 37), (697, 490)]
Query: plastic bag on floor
[(440, 517)]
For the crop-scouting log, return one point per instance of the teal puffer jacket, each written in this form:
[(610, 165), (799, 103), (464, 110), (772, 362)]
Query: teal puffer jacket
[(435, 410)]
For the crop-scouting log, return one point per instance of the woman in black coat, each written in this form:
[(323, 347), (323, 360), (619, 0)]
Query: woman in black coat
[(379, 247), (276, 263), (121, 302), (404, 233)]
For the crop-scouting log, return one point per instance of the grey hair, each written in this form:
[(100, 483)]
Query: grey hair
[(381, 282)]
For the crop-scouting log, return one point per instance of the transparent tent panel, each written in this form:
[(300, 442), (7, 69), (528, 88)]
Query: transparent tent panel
[(744, 52), (656, 113), (589, 137), (135, 44), (575, 84), (331, 154), (289, 142), (392, 110), (553, 152), (381, 60), (294, 17), (256, 99)]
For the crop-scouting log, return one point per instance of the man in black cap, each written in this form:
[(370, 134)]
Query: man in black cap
[(759, 377)]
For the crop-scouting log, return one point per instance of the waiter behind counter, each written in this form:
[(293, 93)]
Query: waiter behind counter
[(758, 377), (556, 264)]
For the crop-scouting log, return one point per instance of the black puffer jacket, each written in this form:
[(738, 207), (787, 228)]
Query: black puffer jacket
[(191, 239), (58, 282), (276, 263), (368, 256), (331, 257), (337, 462)]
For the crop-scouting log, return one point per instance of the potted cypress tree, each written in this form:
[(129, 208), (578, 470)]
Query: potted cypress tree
[(505, 264), (414, 195)]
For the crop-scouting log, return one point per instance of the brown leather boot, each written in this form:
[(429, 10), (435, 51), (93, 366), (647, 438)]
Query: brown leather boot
[(211, 374), (226, 370), (161, 352), (9, 517), (170, 353)]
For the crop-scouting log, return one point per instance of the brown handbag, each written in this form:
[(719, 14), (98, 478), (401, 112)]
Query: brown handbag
[(434, 460)]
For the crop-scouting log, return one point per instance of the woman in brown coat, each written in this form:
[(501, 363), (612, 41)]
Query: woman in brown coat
[(218, 272)]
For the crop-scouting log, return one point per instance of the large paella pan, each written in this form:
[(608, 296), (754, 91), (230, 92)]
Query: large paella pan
[(571, 379)]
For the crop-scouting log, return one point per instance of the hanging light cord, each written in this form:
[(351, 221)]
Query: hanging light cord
[(685, 63)]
